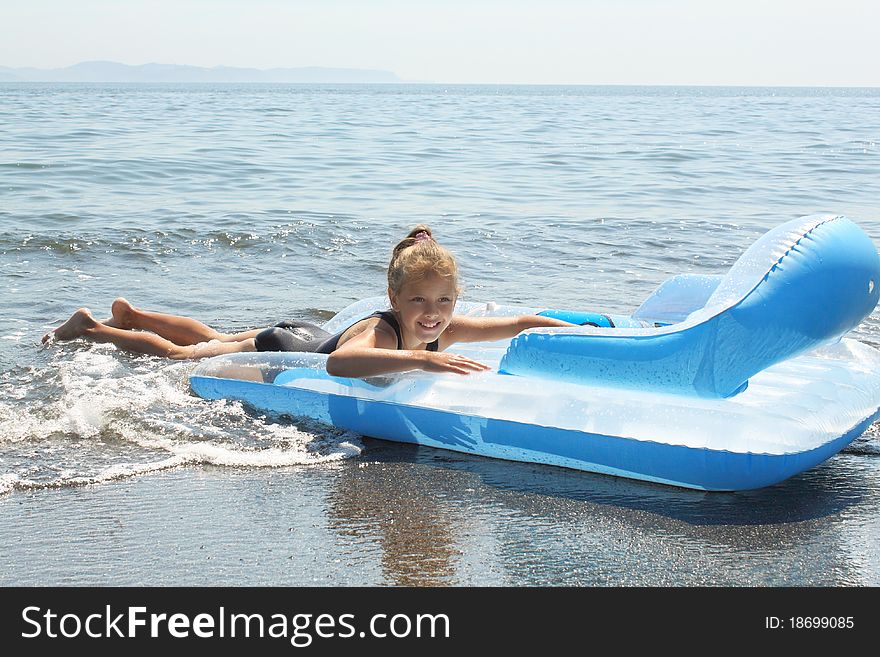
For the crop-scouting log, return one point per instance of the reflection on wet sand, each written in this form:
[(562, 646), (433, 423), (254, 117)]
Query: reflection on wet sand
[(437, 515), (398, 506)]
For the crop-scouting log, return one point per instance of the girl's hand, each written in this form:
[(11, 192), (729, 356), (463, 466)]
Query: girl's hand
[(438, 361)]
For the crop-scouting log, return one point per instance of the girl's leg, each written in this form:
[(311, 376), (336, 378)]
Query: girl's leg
[(179, 330), (82, 325)]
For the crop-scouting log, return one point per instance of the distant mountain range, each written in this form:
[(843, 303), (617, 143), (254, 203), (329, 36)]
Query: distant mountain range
[(115, 72)]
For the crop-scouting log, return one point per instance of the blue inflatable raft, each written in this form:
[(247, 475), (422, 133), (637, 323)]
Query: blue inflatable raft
[(715, 382)]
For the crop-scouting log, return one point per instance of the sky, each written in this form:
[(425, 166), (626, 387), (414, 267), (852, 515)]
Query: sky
[(708, 42)]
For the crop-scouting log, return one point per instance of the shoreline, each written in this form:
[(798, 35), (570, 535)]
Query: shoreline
[(407, 516)]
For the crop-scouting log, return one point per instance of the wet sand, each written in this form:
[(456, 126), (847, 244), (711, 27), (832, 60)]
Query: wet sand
[(406, 516)]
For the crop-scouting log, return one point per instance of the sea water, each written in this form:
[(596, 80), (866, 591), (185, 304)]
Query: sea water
[(244, 205)]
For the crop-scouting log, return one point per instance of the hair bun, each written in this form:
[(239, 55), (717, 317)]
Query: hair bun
[(421, 228)]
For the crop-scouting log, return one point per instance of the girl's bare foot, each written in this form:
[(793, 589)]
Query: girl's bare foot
[(123, 313), (78, 325)]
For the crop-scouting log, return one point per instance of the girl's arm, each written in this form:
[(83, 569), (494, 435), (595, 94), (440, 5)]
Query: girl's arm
[(375, 352), (487, 329)]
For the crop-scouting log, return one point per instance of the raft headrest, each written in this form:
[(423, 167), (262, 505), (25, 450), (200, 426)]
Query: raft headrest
[(804, 283), (825, 259)]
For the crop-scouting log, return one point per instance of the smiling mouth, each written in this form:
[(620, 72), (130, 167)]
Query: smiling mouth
[(429, 327)]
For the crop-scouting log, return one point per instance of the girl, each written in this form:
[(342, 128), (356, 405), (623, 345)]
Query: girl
[(412, 335)]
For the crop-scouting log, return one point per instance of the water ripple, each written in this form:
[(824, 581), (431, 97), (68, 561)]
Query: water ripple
[(246, 205)]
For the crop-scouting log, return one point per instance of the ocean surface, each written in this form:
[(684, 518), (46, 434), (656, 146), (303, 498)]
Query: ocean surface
[(243, 205)]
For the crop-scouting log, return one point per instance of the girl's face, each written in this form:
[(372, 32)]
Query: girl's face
[(424, 308)]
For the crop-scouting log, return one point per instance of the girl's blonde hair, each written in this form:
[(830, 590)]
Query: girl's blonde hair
[(418, 254)]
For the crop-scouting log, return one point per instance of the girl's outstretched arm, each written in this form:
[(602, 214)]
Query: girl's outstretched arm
[(375, 352), (487, 329)]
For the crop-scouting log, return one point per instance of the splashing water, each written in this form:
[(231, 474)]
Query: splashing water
[(115, 416)]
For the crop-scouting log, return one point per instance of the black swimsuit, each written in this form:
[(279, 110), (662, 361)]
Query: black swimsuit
[(299, 335)]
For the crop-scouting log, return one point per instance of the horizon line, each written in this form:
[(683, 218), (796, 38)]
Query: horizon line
[(400, 81), (693, 85)]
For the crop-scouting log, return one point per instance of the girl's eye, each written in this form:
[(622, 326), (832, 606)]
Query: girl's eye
[(418, 299), (445, 299)]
